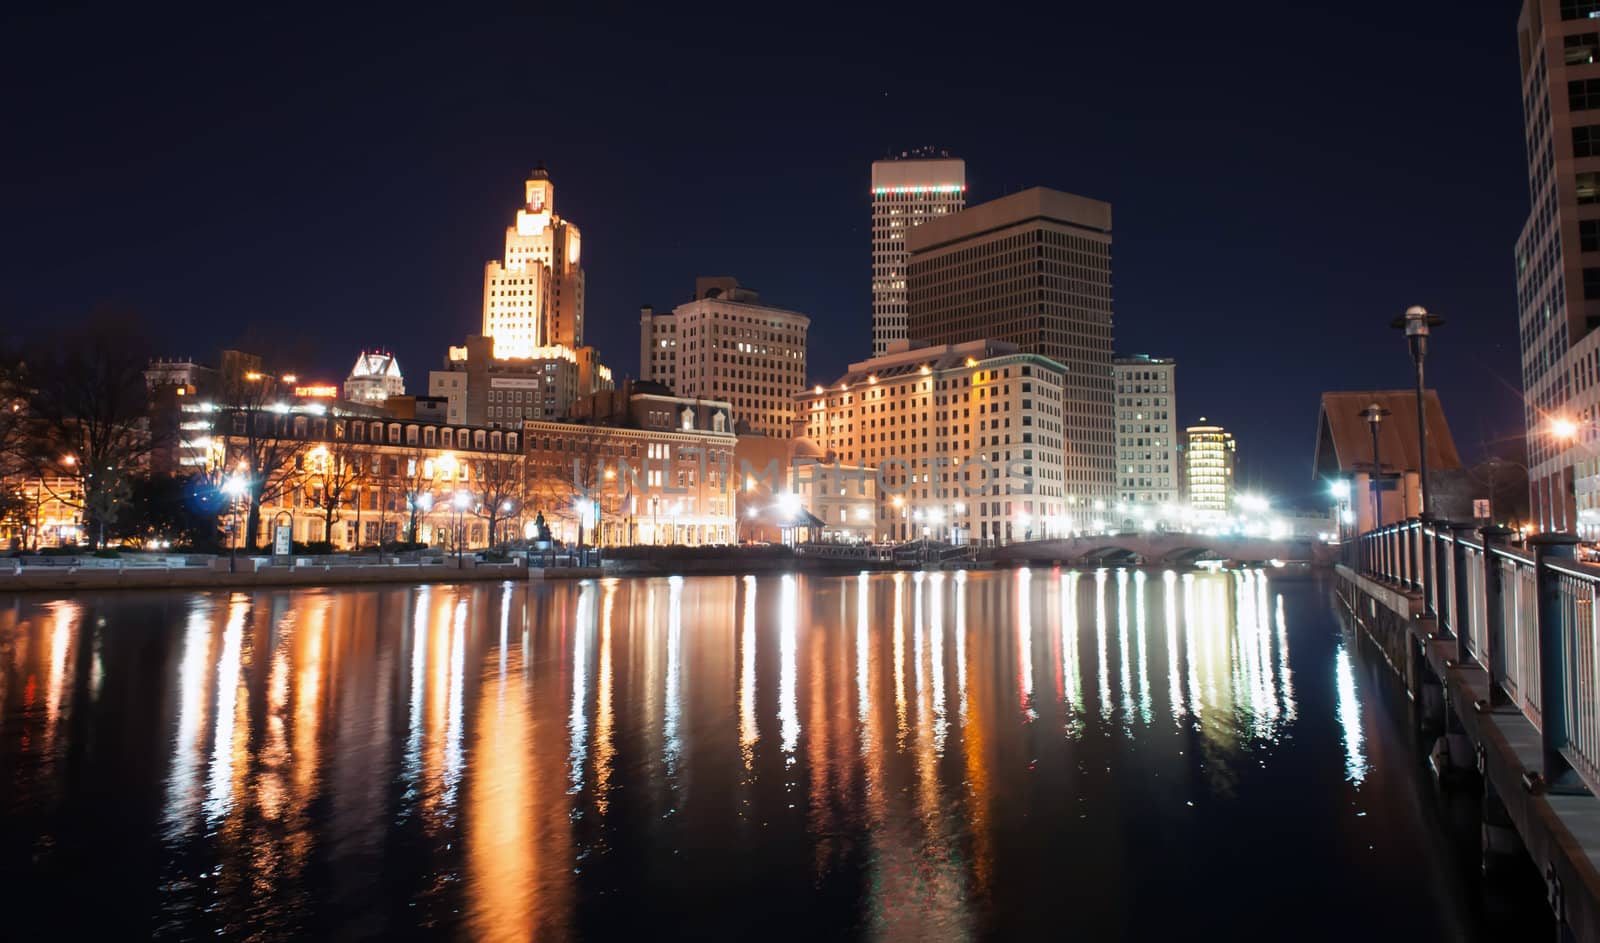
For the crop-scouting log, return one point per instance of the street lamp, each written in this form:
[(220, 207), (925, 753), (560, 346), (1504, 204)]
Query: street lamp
[(1417, 322), (233, 487), (462, 502), (1374, 415)]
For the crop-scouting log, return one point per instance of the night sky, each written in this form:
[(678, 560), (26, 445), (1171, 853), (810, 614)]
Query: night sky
[(1286, 178)]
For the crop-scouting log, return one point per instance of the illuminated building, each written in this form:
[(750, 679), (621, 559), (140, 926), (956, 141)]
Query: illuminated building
[(959, 434), (46, 511), (1148, 473), (533, 297), (485, 390), (1031, 269), (178, 390), (397, 458), (374, 378), (725, 345), (1558, 271), (1208, 458), (905, 193), (657, 464)]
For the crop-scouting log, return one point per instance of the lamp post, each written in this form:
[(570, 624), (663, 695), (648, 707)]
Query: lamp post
[(1417, 323), (1374, 416), (233, 486), (462, 501)]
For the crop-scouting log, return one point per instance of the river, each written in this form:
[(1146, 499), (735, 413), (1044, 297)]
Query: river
[(1123, 754)]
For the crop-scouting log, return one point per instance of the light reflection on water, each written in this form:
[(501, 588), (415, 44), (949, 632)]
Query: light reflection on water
[(871, 755)]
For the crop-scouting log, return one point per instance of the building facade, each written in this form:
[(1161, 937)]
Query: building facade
[(906, 192), (1208, 459), (1032, 269), (1148, 469), (374, 378), (636, 465), (533, 297), (482, 389), (371, 471), (967, 441), (1558, 261), (725, 345)]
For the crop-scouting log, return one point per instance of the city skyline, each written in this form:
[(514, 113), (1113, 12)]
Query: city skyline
[(1235, 266)]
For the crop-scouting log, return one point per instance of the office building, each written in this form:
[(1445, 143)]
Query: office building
[(502, 392), (1032, 269), (533, 296), (374, 378), (906, 192), (725, 345), (1558, 261), (1148, 473), (1208, 458), (966, 440)]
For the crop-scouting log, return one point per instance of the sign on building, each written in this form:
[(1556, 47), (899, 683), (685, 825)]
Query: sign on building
[(1480, 508)]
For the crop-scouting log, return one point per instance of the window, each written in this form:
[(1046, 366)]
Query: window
[(1586, 139), (1589, 234), (1591, 283), (1580, 9), (1579, 48), (1588, 187), (1583, 94)]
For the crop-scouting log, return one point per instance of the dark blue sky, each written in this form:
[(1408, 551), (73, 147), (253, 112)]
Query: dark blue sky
[(1286, 178)]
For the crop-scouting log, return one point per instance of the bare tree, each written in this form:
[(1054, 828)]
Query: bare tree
[(89, 402), (415, 482), (497, 486), (332, 471), (261, 443)]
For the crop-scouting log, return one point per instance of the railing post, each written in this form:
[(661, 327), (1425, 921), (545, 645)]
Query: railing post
[(1494, 611), (1409, 536), (1462, 623), (1428, 569), (1551, 616)]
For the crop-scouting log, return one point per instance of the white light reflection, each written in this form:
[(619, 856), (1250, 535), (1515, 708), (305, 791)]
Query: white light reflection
[(1123, 644), (1071, 670), (961, 641), (419, 665), (788, 717), (671, 732), (749, 732), (1349, 709), (452, 724), (1100, 642), (181, 792), (1169, 594), (1024, 583), (862, 655), (936, 630), (900, 659), (578, 719), (219, 783), (1283, 668), (1144, 648)]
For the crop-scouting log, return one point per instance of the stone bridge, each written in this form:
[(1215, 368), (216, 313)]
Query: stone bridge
[(1160, 549)]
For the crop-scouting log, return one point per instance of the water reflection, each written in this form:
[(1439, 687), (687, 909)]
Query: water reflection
[(503, 762)]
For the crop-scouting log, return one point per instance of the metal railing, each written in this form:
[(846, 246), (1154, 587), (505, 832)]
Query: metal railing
[(1527, 617)]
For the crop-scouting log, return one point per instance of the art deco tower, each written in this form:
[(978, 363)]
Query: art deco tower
[(533, 298)]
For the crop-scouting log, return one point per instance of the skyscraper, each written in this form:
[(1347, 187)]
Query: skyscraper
[(905, 192), (1034, 269), (533, 297), (1558, 259), (1208, 457), (725, 345), (1148, 475)]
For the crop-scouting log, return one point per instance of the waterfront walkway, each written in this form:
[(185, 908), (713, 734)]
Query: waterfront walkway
[(1498, 649)]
